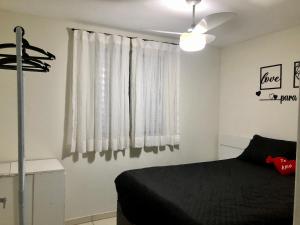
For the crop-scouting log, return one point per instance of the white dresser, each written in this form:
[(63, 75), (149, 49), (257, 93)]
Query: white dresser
[(45, 193)]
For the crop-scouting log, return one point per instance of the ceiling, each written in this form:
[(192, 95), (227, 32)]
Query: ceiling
[(254, 17)]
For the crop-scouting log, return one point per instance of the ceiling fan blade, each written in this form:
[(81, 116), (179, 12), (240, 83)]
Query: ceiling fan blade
[(214, 20), (209, 38), (166, 32)]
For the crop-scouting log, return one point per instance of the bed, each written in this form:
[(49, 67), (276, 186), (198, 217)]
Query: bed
[(225, 192)]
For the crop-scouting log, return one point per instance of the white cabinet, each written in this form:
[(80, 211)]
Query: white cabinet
[(9, 191), (49, 199), (44, 195)]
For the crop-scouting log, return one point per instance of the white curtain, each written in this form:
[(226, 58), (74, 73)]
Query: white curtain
[(100, 98), (154, 93)]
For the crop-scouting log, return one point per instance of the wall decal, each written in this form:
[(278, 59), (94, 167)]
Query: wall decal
[(296, 74), (271, 77), (273, 96), (281, 98)]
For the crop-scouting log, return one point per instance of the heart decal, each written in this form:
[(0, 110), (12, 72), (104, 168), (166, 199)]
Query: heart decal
[(273, 96), (258, 93)]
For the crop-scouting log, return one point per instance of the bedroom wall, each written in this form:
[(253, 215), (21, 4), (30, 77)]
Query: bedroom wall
[(89, 178), (241, 112)]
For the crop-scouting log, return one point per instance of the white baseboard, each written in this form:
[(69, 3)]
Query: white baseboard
[(86, 219)]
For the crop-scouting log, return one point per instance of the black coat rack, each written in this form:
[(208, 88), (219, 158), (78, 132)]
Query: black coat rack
[(20, 62)]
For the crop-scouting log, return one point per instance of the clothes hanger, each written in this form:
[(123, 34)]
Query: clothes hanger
[(48, 55), (25, 68), (26, 46), (25, 57), (28, 64)]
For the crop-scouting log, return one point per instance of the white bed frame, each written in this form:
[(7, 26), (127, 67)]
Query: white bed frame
[(231, 146)]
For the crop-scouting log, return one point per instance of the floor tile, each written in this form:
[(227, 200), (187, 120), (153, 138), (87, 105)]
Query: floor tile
[(110, 221)]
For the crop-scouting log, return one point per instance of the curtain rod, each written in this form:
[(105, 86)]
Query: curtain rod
[(89, 31)]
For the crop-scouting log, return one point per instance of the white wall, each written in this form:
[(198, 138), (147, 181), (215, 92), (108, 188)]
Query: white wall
[(89, 178), (241, 112)]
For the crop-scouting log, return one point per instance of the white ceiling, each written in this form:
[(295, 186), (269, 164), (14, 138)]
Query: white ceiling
[(254, 17)]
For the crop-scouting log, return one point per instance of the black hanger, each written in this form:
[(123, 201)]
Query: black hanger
[(13, 59), (25, 46), (25, 56), (28, 64), (48, 55)]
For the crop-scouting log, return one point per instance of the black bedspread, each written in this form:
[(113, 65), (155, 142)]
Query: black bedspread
[(228, 192)]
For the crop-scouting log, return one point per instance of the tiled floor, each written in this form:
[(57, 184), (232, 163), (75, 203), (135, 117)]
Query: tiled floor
[(111, 221)]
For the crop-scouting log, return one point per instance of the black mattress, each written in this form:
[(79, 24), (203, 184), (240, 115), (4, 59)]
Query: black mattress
[(226, 192)]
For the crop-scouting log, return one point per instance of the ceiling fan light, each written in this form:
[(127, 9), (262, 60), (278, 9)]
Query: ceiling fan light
[(192, 42), (201, 27)]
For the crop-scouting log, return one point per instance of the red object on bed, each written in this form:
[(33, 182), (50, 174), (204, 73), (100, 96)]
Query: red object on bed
[(282, 165)]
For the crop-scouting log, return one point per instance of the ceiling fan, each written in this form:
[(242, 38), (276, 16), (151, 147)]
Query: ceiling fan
[(196, 38)]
